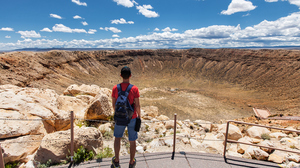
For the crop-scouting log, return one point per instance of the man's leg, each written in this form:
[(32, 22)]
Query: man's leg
[(117, 146), (132, 151)]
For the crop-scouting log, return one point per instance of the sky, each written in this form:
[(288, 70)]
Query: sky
[(148, 24)]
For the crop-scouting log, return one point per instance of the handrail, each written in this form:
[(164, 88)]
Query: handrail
[(239, 122)]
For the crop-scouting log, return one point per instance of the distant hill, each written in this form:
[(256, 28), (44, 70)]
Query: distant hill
[(66, 49)]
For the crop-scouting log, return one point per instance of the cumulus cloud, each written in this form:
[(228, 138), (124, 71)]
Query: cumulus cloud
[(145, 10), (84, 23), (167, 29), (79, 3), (92, 31), (156, 29), (55, 16), (295, 2), (113, 29), (238, 6), (126, 3), (101, 28), (280, 32), (121, 21), (29, 34), (46, 29), (7, 37), (65, 29), (77, 17), (115, 36), (6, 29), (271, 0)]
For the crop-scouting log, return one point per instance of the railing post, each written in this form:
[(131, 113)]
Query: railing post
[(174, 138), (225, 141), (72, 135), (1, 158)]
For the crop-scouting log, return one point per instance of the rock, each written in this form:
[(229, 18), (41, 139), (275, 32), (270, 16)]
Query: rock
[(267, 143), (195, 143), (185, 140), (289, 142), (100, 108), (234, 132), (162, 118), (19, 148), (292, 165), (157, 143), (140, 149), (56, 146), (277, 135), (151, 111), (256, 132), (260, 154), (169, 141), (249, 152), (169, 124), (241, 148), (75, 90), (105, 128), (205, 124), (68, 103), (212, 144), (294, 158), (278, 156)]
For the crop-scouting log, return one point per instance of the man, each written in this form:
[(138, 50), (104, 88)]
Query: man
[(133, 98)]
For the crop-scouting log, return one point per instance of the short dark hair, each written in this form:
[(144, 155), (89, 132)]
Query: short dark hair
[(125, 72)]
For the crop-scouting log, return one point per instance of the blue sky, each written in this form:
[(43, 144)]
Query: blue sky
[(140, 24)]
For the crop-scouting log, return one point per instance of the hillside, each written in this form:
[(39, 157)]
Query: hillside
[(203, 83)]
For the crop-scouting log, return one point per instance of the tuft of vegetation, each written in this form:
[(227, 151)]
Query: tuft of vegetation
[(105, 153), (12, 165), (82, 155), (293, 147), (45, 165), (108, 135), (265, 136)]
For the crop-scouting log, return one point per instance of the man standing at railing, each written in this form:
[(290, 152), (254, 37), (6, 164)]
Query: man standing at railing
[(133, 98)]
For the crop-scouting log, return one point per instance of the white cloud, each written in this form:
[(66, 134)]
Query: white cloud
[(6, 29), (84, 23), (121, 21), (156, 29), (295, 2), (46, 29), (77, 17), (79, 3), (238, 6), (113, 29), (167, 29), (65, 29), (284, 31), (7, 37), (101, 28), (126, 3), (271, 0), (92, 31), (55, 16), (145, 10), (29, 34), (115, 36)]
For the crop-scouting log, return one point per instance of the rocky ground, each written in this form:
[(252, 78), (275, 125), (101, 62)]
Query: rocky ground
[(42, 129)]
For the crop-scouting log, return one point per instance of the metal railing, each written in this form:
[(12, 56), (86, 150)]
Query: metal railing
[(239, 122)]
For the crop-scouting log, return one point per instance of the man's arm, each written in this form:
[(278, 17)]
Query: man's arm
[(114, 102), (137, 106)]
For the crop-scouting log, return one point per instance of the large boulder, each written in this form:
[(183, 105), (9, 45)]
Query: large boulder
[(241, 148), (56, 146), (75, 90), (68, 103), (267, 143), (19, 148), (212, 144), (151, 111), (256, 132), (100, 108), (234, 132), (207, 125)]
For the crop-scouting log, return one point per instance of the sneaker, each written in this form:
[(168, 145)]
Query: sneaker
[(115, 164), (132, 165)]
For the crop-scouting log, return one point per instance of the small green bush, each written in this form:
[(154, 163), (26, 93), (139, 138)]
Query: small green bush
[(47, 164), (12, 165), (265, 136), (106, 153), (82, 155)]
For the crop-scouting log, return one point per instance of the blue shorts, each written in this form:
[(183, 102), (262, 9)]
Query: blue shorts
[(132, 134)]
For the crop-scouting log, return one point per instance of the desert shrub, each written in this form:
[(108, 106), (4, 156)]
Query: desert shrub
[(106, 153), (82, 155), (12, 165), (47, 164), (265, 136)]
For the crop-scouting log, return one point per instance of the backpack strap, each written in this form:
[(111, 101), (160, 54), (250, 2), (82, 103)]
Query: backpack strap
[(126, 92)]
